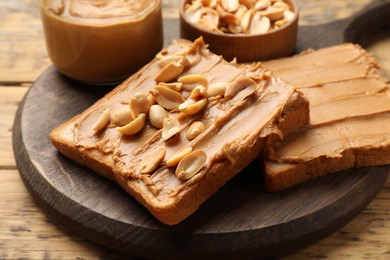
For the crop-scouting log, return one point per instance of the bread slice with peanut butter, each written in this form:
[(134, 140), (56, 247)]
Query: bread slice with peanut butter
[(181, 127), (349, 116)]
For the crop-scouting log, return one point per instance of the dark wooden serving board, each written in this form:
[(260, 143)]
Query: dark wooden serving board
[(241, 220)]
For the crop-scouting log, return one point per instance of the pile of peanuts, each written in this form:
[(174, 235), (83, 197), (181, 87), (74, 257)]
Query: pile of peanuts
[(239, 16)]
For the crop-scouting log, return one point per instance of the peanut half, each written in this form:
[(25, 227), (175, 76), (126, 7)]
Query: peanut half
[(176, 86), (175, 159), (171, 126), (199, 92), (164, 61), (167, 97), (262, 5), (225, 17), (230, 5), (259, 24), (103, 120), (273, 13), (210, 19), (191, 164), (153, 159), (243, 84), (139, 104), (209, 3), (151, 99), (246, 20), (191, 81), (121, 116), (194, 11), (191, 106), (157, 114), (134, 126), (248, 3), (217, 89), (195, 129), (171, 71)]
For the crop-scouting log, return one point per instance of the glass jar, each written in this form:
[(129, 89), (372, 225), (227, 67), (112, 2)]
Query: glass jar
[(101, 41)]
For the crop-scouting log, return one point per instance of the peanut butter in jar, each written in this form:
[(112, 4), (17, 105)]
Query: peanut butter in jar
[(101, 41)]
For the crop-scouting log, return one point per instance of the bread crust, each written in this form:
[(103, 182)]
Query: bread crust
[(281, 176)]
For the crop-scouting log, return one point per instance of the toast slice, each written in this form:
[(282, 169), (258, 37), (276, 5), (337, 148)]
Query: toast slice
[(349, 116), (149, 164)]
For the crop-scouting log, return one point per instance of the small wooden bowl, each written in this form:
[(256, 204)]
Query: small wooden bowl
[(259, 47)]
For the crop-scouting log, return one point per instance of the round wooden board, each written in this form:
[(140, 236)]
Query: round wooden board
[(241, 220)]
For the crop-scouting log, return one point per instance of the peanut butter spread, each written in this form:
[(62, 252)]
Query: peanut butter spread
[(349, 104), (99, 11), (234, 121)]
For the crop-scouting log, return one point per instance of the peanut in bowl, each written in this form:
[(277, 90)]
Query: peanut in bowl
[(248, 30)]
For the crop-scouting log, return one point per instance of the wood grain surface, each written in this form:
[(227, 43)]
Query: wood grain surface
[(26, 233)]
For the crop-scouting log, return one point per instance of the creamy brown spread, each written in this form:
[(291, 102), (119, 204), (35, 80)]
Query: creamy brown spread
[(101, 41), (99, 11), (336, 63), (349, 104), (232, 126), (331, 140)]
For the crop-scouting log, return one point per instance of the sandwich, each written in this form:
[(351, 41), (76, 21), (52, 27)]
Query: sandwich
[(181, 127), (349, 116)]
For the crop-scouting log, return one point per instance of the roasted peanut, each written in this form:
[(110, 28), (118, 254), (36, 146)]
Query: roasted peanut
[(121, 116), (248, 3), (151, 99), (191, 81), (262, 5), (230, 5), (191, 164), (139, 104), (167, 97), (288, 15), (224, 16), (175, 159), (153, 159), (134, 126), (239, 85), (191, 106), (246, 20), (156, 115), (217, 89), (170, 127), (194, 11), (209, 19), (239, 13), (195, 129), (171, 71), (103, 120), (199, 92), (281, 4), (174, 58), (176, 86), (273, 13), (259, 24)]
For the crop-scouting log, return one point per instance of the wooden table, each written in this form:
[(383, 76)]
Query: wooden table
[(25, 232)]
